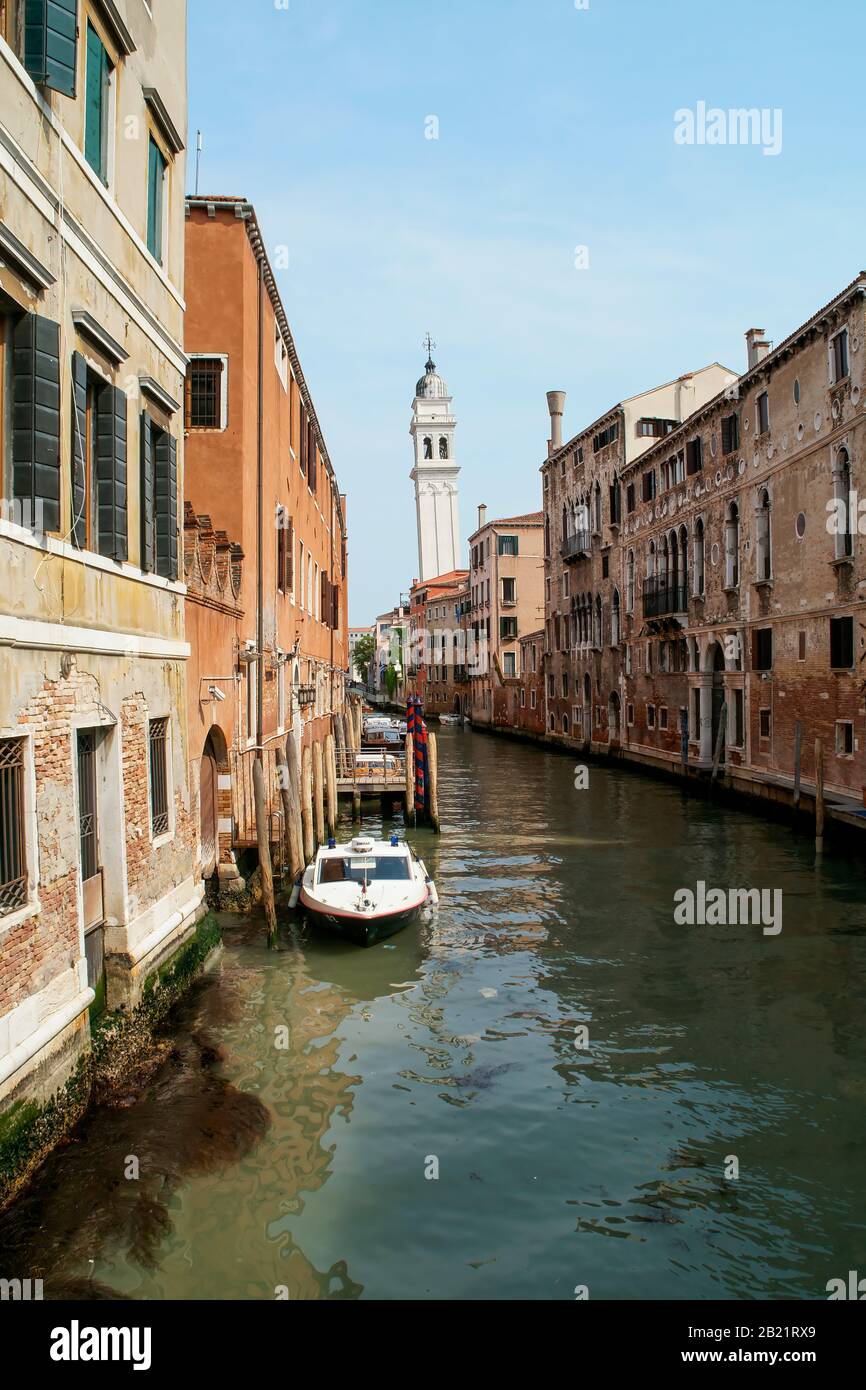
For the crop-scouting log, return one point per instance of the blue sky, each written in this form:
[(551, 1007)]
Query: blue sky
[(556, 130)]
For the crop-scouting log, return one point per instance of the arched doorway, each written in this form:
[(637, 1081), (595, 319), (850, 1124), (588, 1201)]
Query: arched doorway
[(212, 757), (457, 709), (718, 669), (613, 707)]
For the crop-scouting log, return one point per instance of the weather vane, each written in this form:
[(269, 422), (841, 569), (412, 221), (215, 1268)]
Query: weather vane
[(429, 345)]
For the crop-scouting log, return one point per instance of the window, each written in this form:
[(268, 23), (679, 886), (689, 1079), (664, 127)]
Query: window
[(158, 740), (509, 591), (565, 724), (732, 547), (551, 687), (523, 698), (764, 723), (443, 447), (801, 646), (663, 718), (509, 664), (97, 93), (762, 649), (565, 685), (507, 629), (205, 393), (533, 699), (654, 429), (156, 167), (840, 355), (841, 643), (694, 457), (285, 551), (730, 433), (630, 502), (763, 413), (648, 486), (764, 549), (605, 437), (605, 567), (846, 506), (650, 716), (159, 500), (507, 545), (698, 559), (13, 858), (629, 715), (844, 739)]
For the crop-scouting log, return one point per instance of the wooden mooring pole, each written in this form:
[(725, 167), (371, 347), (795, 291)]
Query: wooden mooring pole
[(433, 765), (798, 758), (291, 816), (307, 804), (319, 792), (263, 837), (331, 783), (819, 796), (410, 780)]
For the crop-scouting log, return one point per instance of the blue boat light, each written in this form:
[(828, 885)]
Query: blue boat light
[(332, 843), (394, 841)]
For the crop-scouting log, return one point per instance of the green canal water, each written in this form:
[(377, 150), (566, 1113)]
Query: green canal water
[(307, 1166)]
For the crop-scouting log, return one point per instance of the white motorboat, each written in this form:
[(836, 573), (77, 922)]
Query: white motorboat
[(450, 719), (366, 890)]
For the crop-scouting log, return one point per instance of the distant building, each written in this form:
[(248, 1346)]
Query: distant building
[(355, 635), (439, 628), (506, 601)]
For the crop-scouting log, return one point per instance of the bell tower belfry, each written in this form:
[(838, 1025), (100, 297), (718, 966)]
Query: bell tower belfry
[(435, 474)]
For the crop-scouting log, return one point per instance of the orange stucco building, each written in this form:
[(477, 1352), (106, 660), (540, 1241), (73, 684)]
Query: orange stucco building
[(268, 636)]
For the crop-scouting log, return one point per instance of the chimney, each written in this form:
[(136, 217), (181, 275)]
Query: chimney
[(757, 346), (556, 405), (482, 516)]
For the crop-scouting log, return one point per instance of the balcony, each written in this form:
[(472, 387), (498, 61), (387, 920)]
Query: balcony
[(661, 598), (575, 547)]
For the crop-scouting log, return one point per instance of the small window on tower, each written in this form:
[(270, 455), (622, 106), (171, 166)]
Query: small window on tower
[(443, 448), (428, 448)]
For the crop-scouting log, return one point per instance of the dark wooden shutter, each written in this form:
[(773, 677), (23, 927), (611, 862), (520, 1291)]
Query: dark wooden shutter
[(111, 473), (36, 422), (166, 506), (79, 451), (51, 43), (335, 614), (147, 494), (290, 556)]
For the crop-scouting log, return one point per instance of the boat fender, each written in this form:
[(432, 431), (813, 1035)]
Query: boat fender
[(433, 895), (295, 893)]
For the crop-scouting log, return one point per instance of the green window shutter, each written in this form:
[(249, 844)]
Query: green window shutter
[(79, 450), (147, 494), (36, 422), (155, 185), (51, 43), (166, 505), (97, 78), (111, 473)]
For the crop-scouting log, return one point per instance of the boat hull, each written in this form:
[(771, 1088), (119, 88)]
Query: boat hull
[(361, 930)]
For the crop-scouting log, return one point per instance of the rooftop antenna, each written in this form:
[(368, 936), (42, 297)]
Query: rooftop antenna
[(198, 150)]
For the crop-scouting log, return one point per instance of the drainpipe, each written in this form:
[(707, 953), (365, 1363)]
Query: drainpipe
[(260, 519)]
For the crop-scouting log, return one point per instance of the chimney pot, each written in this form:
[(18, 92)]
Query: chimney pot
[(556, 405), (757, 346), (482, 515)]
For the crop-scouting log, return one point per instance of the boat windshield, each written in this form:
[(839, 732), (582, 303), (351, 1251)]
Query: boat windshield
[(361, 868)]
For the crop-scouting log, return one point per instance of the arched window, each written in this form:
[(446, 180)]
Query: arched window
[(651, 561), (599, 634), (596, 521), (764, 545), (428, 447), (565, 724), (614, 625), (845, 519), (547, 535), (443, 447), (698, 559), (682, 569), (732, 547), (629, 585), (587, 705), (565, 531)]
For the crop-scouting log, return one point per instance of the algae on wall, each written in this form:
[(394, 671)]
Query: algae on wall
[(119, 1043)]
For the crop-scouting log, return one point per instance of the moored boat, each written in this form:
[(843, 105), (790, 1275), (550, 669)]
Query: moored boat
[(366, 890)]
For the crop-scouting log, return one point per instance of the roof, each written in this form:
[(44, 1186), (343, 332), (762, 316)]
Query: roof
[(527, 519)]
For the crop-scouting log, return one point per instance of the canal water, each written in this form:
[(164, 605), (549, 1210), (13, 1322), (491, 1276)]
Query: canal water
[(425, 1119)]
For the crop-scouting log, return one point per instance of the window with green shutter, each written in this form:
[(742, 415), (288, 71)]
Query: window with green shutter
[(36, 422), (111, 480), (156, 166), (97, 89), (51, 43), (165, 503)]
